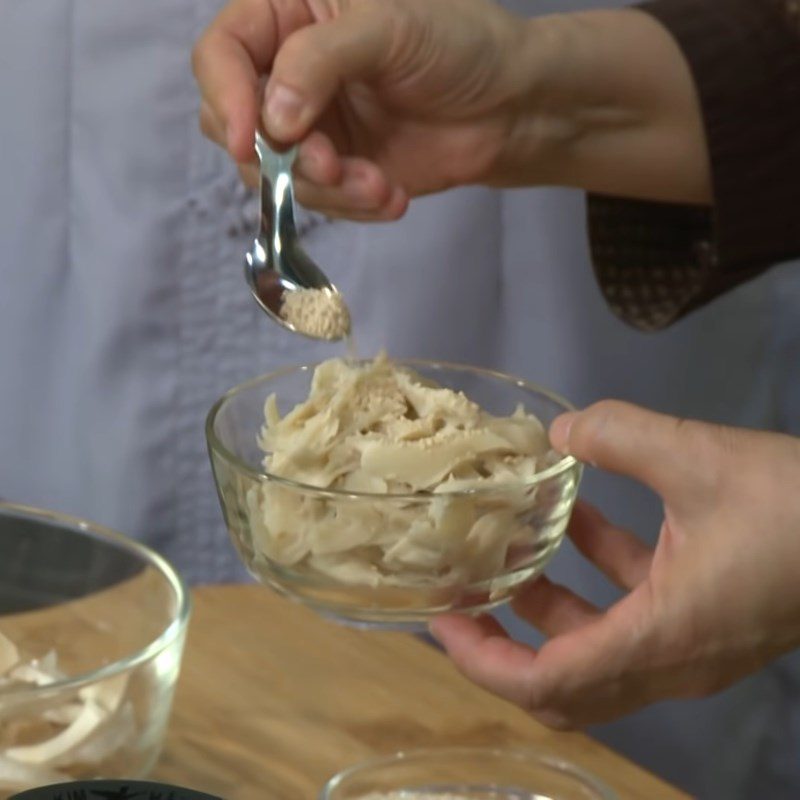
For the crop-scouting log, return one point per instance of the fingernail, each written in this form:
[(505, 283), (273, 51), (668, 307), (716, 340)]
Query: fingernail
[(282, 112), (559, 432), (432, 626)]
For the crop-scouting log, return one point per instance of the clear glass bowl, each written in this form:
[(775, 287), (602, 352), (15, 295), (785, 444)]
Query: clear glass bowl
[(99, 622), (252, 500), (466, 773)]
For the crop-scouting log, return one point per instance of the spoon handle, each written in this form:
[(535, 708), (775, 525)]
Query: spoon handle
[(277, 192)]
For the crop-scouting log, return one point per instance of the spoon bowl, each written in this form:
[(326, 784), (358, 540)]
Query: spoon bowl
[(277, 266)]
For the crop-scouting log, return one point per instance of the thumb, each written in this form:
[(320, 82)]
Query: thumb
[(665, 453), (314, 61)]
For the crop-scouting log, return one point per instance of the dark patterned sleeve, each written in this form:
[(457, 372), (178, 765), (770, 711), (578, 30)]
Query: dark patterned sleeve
[(656, 262)]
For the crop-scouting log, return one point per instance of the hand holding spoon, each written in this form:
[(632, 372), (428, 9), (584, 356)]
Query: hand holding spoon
[(283, 279)]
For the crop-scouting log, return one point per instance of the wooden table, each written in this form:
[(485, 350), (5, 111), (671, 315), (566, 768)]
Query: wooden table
[(273, 700)]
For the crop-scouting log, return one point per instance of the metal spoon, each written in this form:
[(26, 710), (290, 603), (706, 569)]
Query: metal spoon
[(277, 265)]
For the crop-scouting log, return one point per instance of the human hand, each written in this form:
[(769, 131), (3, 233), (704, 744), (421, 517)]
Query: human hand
[(717, 599), (392, 99)]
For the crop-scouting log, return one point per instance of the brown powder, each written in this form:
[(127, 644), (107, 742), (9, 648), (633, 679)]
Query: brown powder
[(321, 313)]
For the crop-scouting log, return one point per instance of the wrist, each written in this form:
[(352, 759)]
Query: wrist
[(537, 133), (604, 101)]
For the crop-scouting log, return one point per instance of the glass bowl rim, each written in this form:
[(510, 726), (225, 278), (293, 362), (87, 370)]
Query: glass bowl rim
[(175, 629), (564, 464), (553, 762)]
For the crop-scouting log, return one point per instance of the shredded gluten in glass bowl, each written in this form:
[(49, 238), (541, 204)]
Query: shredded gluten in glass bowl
[(42, 737), (380, 428)]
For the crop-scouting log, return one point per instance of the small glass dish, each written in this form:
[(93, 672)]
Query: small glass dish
[(536, 511), (92, 626), (466, 773)]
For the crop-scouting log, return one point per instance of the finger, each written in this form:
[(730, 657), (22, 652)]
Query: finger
[(318, 162), (553, 608), (618, 554), (363, 187), (313, 62), (482, 651), (235, 50), (229, 86), (210, 125), (393, 209), (656, 449), (256, 25), (249, 173)]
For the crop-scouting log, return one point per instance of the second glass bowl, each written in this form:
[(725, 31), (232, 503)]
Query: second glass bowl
[(466, 773), (477, 567), (92, 626)]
